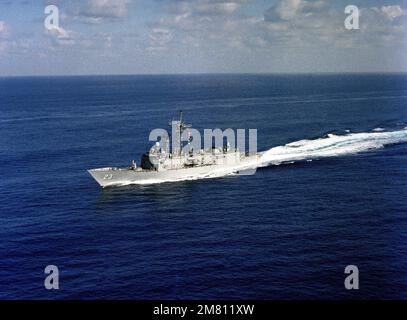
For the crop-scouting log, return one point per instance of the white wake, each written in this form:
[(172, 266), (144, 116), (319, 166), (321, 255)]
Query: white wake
[(333, 145)]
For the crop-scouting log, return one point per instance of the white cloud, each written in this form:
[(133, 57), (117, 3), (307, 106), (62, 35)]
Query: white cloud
[(159, 38), (393, 12), (289, 9), (60, 35), (286, 10), (95, 11), (4, 35), (4, 29), (203, 7)]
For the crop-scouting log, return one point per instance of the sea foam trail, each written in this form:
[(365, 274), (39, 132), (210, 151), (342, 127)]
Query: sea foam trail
[(309, 149), (332, 145)]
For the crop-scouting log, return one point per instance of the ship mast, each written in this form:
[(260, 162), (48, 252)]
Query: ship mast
[(180, 132), (181, 127)]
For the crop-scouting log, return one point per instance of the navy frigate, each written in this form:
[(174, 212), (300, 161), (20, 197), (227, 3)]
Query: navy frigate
[(157, 165)]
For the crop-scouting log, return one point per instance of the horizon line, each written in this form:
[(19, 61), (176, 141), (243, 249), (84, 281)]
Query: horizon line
[(208, 73)]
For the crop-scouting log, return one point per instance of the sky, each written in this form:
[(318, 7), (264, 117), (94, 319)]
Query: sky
[(201, 36)]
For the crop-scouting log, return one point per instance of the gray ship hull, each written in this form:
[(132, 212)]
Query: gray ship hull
[(107, 177)]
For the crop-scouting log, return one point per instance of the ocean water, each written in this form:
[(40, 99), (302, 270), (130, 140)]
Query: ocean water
[(332, 192)]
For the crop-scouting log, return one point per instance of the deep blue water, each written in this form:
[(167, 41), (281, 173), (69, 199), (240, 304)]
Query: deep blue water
[(285, 233)]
